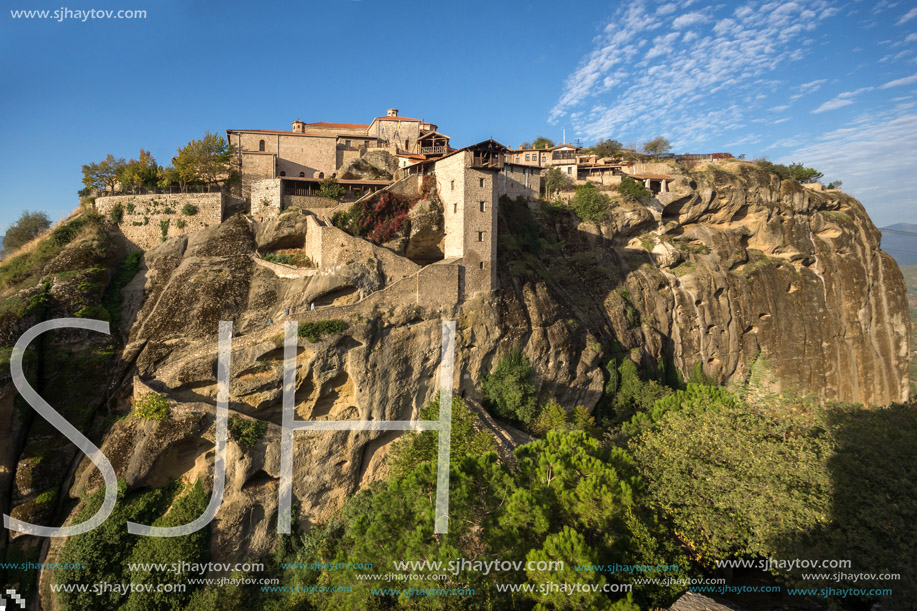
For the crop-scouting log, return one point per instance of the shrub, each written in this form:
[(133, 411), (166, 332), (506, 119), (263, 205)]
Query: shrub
[(508, 390), (29, 226), (180, 223), (168, 210), (298, 259), (331, 189), (153, 406), (313, 331), (590, 204), (95, 312), (116, 215), (164, 228), (246, 432), (189, 210), (130, 207), (634, 189)]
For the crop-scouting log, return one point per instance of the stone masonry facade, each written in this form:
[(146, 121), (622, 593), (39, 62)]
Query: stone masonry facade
[(147, 220)]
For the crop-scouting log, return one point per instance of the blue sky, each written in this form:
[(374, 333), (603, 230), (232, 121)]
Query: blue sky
[(831, 84)]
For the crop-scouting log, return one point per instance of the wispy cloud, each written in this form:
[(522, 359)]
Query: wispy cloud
[(908, 80), (842, 99), (908, 16), (687, 20), (834, 104), (691, 87)]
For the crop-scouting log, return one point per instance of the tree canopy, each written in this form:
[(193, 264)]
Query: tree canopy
[(657, 146), (590, 204), (606, 148), (542, 143), (29, 225), (555, 180)]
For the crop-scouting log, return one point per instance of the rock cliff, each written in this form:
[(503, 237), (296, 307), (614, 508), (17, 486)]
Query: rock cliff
[(732, 273)]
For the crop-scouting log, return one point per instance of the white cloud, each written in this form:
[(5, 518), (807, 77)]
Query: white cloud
[(666, 9), (687, 20), (843, 99), (811, 86), (908, 16), (834, 104), (908, 80), (911, 38), (780, 108), (690, 88)]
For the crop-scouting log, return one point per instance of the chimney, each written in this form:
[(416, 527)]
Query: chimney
[(298, 126), (392, 112)]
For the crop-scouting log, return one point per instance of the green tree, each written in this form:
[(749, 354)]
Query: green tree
[(657, 146), (206, 160), (635, 189), (607, 148), (555, 180), (142, 172), (508, 390), (542, 143), (29, 226), (590, 204), (104, 174), (330, 188)]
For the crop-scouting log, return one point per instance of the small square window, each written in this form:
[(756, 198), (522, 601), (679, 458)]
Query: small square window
[(483, 206)]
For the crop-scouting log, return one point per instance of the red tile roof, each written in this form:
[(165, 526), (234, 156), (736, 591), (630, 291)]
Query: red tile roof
[(346, 125), (277, 131), (395, 119)]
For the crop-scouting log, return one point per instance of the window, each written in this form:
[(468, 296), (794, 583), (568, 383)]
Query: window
[(544, 157), (261, 145), (482, 182), (346, 142), (480, 236), (527, 157), (283, 173), (302, 174), (569, 170), (452, 185), (483, 206), (481, 265), (321, 174), (455, 208)]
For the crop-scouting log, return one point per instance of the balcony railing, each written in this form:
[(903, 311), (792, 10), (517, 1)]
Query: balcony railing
[(433, 150)]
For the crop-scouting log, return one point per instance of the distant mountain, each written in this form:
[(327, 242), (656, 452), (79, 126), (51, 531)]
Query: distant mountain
[(900, 241)]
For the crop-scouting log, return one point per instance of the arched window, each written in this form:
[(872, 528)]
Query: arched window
[(321, 174), (283, 173), (261, 145), (302, 174)]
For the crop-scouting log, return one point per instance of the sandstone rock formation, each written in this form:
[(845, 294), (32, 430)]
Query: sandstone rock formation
[(732, 272)]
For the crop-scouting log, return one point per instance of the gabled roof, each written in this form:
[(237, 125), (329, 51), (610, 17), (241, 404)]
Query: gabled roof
[(432, 133), (566, 145)]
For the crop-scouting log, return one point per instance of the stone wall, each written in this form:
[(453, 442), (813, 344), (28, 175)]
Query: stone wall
[(143, 215), (308, 202), (266, 200), (435, 286), (327, 246), (519, 181)]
